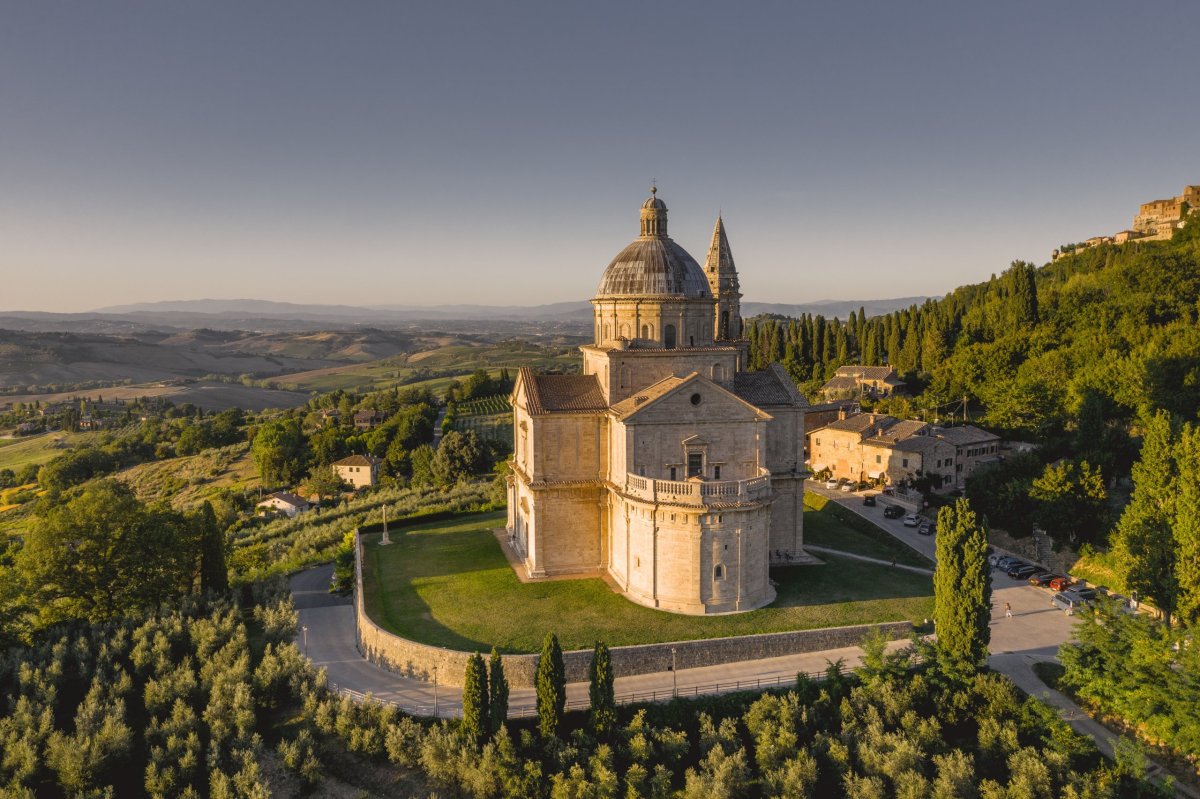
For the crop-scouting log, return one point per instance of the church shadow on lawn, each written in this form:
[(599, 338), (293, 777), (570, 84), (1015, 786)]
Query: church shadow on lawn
[(451, 586)]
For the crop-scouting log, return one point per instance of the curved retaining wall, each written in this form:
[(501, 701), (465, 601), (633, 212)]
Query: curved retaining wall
[(413, 659)]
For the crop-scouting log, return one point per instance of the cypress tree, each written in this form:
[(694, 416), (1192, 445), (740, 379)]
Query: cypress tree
[(214, 576), (497, 692), (551, 687), (1187, 525), (601, 692), (1144, 541), (475, 700), (962, 592)]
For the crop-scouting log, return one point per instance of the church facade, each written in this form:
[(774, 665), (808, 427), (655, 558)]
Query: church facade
[(665, 465)]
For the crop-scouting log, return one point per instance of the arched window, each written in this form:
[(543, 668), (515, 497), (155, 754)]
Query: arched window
[(624, 330), (669, 336), (606, 332), (645, 331), (719, 571)]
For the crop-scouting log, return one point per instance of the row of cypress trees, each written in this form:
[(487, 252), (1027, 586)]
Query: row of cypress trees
[(485, 697), (485, 693)]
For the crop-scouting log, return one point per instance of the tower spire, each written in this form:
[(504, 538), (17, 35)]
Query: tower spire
[(723, 280)]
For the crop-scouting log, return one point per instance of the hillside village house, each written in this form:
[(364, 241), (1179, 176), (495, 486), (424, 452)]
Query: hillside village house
[(368, 419), (286, 503), (664, 466), (360, 471), (862, 381), (870, 447)]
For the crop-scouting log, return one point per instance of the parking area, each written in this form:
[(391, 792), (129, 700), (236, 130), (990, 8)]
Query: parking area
[(853, 500), (1036, 627)]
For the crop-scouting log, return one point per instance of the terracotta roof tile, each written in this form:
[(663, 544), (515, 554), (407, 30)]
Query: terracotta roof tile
[(564, 393)]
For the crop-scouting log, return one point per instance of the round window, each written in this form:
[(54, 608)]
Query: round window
[(695, 399)]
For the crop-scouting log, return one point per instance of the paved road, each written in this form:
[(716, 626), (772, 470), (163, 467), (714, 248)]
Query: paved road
[(327, 624)]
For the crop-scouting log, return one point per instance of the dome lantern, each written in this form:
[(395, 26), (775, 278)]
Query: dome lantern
[(654, 216)]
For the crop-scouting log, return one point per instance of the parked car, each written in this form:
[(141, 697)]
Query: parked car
[(1084, 594), (1004, 561), (1027, 572), (926, 529), (831, 483), (1043, 580), (869, 500), (889, 490), (912, 520), (1060, 582), (848, 486), (1067, 603), (893, 512), (1013, 567)]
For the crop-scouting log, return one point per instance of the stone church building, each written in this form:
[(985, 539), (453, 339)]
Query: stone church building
[(665, 465)]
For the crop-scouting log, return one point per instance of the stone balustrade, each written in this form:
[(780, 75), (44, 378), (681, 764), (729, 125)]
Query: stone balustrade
[(699, 492)]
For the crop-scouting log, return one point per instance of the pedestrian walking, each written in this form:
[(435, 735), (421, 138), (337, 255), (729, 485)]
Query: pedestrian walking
[(1008, 610)]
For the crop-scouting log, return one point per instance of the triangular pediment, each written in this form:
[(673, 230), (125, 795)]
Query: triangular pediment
[(691, 397)]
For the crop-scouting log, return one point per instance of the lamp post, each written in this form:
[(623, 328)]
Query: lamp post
[(304, 632), (385, 541), (435, 702), (674, 678)]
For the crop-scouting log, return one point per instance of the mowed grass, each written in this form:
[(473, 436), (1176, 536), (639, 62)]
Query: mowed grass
[(448, 584), (828, 524)]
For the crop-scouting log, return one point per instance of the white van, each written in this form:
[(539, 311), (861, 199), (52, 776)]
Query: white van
[(1068, 603)]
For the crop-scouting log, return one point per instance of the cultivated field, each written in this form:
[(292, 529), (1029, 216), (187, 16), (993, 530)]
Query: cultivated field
[(434, 368), (448, 584), (16, 453), (189, 480), (211, 396)]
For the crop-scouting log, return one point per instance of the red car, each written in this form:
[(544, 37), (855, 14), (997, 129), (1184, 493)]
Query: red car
[(1043, 580), (1061, 583)]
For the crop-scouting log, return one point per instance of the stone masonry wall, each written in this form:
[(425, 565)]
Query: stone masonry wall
[(412, 659)]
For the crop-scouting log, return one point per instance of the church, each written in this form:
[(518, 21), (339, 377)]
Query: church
[(665, 466)]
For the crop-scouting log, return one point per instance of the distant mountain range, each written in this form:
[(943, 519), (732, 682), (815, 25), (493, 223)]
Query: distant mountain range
[(267, 315), (557, 311)]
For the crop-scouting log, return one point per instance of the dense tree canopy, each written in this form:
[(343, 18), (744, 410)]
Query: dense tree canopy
[(100, 553)]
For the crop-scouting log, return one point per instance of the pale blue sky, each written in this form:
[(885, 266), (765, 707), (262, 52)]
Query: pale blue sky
[(380, 152)]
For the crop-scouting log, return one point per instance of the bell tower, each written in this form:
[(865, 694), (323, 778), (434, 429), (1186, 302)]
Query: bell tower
[(723, 281)]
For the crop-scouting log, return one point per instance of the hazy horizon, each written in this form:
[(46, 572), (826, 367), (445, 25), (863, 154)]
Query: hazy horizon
[(376, 154)]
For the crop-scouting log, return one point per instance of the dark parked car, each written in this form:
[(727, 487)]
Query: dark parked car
[(1015, 566), (893, 512), (869, 500), (1027, 572), (1043, 580), (1004, 561), (926, 529), (1084, 594)]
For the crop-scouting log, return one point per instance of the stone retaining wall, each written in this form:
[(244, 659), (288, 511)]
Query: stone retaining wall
[(413, 659)]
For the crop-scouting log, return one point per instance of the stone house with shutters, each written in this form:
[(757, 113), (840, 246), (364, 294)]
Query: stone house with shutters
[(664, 465), (869, 447), (360, 471)]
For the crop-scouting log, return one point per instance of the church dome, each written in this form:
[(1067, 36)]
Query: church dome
[(653, 264)]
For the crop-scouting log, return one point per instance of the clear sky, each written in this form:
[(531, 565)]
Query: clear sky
[(497, 152)]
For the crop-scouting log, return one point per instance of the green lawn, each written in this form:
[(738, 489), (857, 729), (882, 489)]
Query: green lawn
[(828, 524), (447, 583)]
